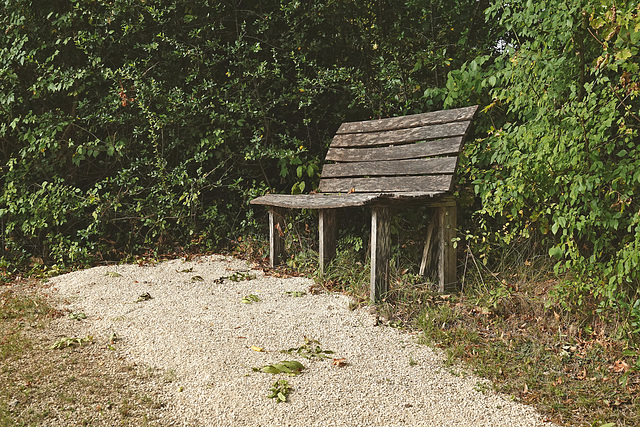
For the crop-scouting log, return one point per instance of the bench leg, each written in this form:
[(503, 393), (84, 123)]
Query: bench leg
[(446, 252), (380, 252), (328, 237), (427, 252), (276, 235)]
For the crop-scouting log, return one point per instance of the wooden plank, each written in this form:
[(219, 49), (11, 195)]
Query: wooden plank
[(276, 235), (447, 260), (440, 165), (401, 136), (440, 147), (415, 120), (328, 229), (387, 184), (380, 252), (427, 252), (315, 201), (343, 200)]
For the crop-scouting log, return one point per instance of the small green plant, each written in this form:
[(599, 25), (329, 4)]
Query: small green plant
[(77, 316), (310, 350), (112, 274), (239, 276), (280, 390), (289, 367), (296, 294), (70, 342), (197, 279), (250, 299)]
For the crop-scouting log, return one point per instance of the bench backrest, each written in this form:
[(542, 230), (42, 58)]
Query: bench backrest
[(417, 153)]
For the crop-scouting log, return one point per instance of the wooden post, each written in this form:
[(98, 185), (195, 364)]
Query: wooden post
[(328, 237), (276, 235), (447, 253), (380, 252), (427, 253)]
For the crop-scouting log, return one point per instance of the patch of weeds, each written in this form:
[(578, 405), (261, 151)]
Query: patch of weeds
[(310, 350), (279, 391), (349, 273), (541, 355), (250, 299), (38, 386)]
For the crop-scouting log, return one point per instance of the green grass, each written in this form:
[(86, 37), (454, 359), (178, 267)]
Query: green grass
[(40, 385)]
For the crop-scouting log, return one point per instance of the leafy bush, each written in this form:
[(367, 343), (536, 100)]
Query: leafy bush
[(136, 126), (561, 158)]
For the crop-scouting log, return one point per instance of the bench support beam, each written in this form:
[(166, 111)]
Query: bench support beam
[(276, 235), (328, 237), (380, 251), (446, 217)]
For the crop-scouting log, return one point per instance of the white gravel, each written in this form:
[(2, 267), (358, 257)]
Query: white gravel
[(199, 333)]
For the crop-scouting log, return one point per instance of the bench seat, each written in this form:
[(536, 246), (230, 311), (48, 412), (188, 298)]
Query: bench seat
[(384, 163)]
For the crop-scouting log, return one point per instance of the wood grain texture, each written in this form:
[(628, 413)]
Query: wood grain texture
[(440, 147), (440, 165), (328, 230), (380, 252), (430, 183), (342, 200), (276, 235), (401, 136), (447, 260), (415, 120)]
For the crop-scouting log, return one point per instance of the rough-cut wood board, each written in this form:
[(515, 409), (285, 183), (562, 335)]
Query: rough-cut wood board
[(440, 147), (447, 253), (328, 230), (401, 136), (315, 201), (458, 114), (389, 184), (276, 237), (343, 200), (380, 252), (441, 165)]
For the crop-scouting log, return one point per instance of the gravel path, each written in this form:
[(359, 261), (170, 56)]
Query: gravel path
[(196, 329)]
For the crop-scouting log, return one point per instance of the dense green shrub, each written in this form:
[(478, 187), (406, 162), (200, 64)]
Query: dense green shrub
[(132, 125), (561, 158)]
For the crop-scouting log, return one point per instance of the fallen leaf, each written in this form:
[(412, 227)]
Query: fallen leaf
[(353, 190), (144, 297), (619, 366), (582, 375), (339, 362), (279, 230), (256, 348)]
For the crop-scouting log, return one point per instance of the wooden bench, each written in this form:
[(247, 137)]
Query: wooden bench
[(409, 160)]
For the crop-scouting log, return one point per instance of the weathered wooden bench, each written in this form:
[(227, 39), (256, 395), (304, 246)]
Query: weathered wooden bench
[(409, 160)]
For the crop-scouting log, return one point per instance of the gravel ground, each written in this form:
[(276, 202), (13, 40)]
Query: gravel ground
[(198, 332)]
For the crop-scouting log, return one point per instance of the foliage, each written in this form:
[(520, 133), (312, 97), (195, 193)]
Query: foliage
[(561, 159), (131, 126)]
